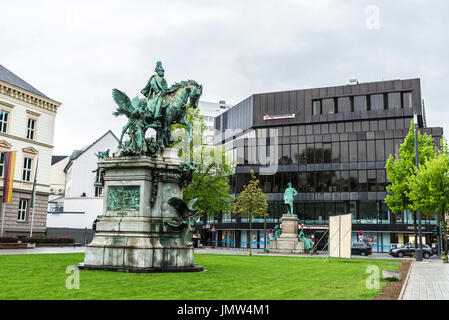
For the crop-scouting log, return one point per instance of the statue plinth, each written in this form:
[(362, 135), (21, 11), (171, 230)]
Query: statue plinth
[(288, 242), (137, 231)]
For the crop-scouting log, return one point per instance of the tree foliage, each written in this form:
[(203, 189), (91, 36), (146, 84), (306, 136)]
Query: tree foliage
[(429, 189), (251, 202), (402, 165), (210, 182)]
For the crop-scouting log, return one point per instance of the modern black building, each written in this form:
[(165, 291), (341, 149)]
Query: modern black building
[(331, 144)]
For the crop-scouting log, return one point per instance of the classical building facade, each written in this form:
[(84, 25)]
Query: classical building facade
[(27, 120), (331, 144)]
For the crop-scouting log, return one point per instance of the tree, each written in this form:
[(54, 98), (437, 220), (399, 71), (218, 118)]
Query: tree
[(402, 166), (251, 203), (210, 181), (429, 189)]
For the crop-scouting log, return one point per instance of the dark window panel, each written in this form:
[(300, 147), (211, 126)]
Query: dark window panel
[(381, 179), (344, 104), (348, 127), (310, 182), (377, 101), (344, 181), (344, 151), (407, 100), (294, 130), (335, 181), (361, 151), (360, 103), (363, 181), (335, 152), (294, 154), (353, 181), (310, 152), (327, 153), (390, 124), (277, 186), (309, 129), (319, 181), (372, 185), (370, 150), (353, 151), (394, 100), (316, 107), (400, 124), (302, 182), (389, 147), (340, 127), (328, 106), (302, 153), (365, 125), (324, 128), (318, 153), (380, 150), (368, 211)]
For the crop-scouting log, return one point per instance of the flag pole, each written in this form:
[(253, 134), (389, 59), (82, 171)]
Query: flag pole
[(5, 169), (33, 197)]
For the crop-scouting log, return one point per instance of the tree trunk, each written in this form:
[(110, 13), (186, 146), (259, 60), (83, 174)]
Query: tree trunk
[(415, 229), (445, 242), (250, 236)]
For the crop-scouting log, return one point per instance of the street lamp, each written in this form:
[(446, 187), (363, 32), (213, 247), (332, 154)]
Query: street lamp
[(418, 251)]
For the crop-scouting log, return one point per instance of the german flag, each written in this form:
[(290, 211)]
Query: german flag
[(8, 174)]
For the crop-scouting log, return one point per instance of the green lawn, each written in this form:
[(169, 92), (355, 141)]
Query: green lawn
[(43, 276)]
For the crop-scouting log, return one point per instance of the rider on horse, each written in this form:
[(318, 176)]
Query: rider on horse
[(156, 88)]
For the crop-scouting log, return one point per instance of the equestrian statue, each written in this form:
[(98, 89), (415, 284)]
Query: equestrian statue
[(161, 107)]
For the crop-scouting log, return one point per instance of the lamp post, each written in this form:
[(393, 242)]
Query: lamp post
[(418, 251)]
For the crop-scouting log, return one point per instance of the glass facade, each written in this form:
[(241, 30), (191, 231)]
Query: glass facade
[(336, 161)]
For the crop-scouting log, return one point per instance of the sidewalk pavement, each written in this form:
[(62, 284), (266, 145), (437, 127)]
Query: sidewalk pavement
[(426, 280)]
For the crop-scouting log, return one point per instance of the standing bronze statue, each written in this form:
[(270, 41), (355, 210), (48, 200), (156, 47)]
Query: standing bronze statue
[(289, 196)]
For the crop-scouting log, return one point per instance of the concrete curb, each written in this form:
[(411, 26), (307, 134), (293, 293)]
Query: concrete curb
[(404, 285)]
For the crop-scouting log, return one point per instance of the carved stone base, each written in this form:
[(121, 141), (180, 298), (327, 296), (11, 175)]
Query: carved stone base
[(288, 242), (133, 235)]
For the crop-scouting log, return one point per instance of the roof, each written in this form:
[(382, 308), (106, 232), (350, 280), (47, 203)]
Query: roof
[(76, 153), (56, 159), (9, 77)]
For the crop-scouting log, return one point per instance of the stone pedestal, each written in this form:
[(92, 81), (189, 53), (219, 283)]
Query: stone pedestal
[(132, 235), (288, 242)]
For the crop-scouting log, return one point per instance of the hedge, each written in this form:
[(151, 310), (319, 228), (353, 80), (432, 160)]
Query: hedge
[(8, 239), (48, 240)]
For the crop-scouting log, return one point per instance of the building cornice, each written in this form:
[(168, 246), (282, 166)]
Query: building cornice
[(22, 95), (26, 140)]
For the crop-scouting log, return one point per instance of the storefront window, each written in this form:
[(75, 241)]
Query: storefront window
[(368, 212)]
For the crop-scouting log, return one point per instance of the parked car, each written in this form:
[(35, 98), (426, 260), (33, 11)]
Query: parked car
[(395, 245), (361, 248), (409, 250)]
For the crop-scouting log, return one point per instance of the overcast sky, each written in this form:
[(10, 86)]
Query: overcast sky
[(76, 52)]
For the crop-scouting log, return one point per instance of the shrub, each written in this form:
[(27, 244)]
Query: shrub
[(9, 239), (48, 240)]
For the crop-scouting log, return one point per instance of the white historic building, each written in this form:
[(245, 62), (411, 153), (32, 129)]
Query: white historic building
[(73, 213), (27, 121), (210, 110)]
